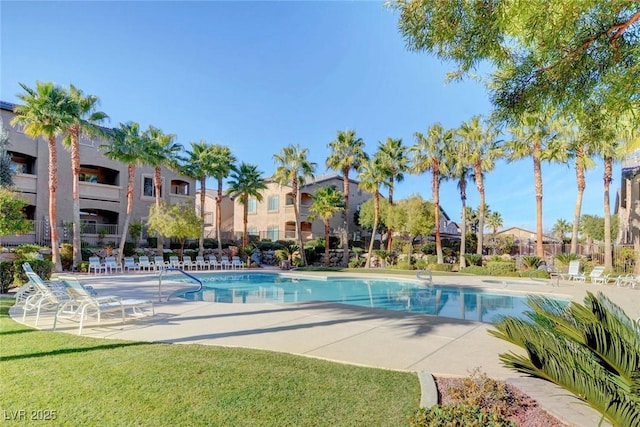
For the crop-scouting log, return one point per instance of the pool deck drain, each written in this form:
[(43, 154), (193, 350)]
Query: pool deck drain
[(354, 335)]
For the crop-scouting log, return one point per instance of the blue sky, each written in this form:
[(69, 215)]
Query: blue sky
[(257, 76)]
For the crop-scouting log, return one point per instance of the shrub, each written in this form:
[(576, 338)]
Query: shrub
[(429, 248), (473, 259), (357, 262), (440, 267), (567, 258), (66, 256), (6, 275), (42, 268), (457, 415), (83, 266), (421, 264), (27, 251), (475, 269), (404, 265), (500, 268), (129, 248), (531, 261)]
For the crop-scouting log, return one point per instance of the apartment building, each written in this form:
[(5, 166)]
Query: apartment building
[(628, 203), (227, 212), (273, 217), (103, 187)]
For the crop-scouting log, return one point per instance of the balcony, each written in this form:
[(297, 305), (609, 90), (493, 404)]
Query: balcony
[(25, 183), (92, 190)]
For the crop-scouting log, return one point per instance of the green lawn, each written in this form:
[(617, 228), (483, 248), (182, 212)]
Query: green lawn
[(89, 381)]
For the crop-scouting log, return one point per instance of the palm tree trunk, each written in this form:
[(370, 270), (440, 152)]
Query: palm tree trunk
[(376, 215), (389, 230), (345, 214), (131, 169), (463, 225), (537, 174), (435, 189), (203, 189), (75, 190), (327, 261), (578, 209), (480, 186), (157, 182), (608, 166), (245, 219), (219, 215), (296, 214), (53, 186)]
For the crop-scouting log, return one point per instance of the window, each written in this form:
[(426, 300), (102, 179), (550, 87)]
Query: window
[(88, 177), (148, 188), (179, 187), (252, 231), (289, 201), (252, 205), (273, 233), (273, 203)]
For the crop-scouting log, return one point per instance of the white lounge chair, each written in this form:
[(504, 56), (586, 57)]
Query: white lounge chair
[(145, 264), (174, 262), (225, 263), (201, 264), (597, 276), (236, 262), (130, 264), (88, 305), (47, 296), (158, 263), (574, 272), (213, 262), (96, 265), (112, 265), (188, 263)]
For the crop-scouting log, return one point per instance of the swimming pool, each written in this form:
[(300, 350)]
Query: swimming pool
[(398, 295)]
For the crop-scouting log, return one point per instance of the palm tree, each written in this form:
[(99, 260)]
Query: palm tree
[(456, 155), (596, 339), (561, 228), (393, 155), (533, 138), (428, 156), (372, 174), (40, 116), (222, 164), (347, 153), (84, 120), (484, 150), (161, 150), (246, 182), (199, 166), (127, 146), (494, 221), (326, 202), (292, 169)]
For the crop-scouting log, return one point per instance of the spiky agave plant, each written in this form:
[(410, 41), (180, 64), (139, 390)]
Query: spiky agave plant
[(591, 349)]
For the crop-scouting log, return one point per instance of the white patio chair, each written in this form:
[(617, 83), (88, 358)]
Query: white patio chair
[(158, 263), (574, 272), (88, 305), (187, 263), (174, 262), (112, 265), (214, 263), (597, 276), (96, 265), (145, 264), (225, 263), (130, 264), (201, 264), (236, 262)]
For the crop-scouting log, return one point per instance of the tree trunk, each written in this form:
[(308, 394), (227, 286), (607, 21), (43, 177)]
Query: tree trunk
[(157, 182), (296, 214), (578, 209), (389, 230), (203, 189), (245, 217), (463, 225), (435, 189), (537, 175), (345, 214), (327, 261), (480, 185), (376, 215), (608, 259), (127, 219), (219, 215), (75, 191), (53, 186)]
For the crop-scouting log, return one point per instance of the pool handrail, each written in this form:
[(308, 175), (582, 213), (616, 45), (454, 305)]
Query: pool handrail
[(429, 279), (189, 291)]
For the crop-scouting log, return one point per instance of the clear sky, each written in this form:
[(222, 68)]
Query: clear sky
[(257, 76)]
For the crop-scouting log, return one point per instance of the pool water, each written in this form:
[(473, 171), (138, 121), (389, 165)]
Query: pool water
[(452, 302)]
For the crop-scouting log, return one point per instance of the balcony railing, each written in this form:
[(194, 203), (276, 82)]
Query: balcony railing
[(99, 191)]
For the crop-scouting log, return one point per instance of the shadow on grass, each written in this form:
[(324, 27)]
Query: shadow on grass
[(64, 351), (17, 331)]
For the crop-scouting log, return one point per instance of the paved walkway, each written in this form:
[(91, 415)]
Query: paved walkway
[(348, 334)]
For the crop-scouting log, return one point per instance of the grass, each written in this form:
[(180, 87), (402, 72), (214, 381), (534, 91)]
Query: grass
[(89, 381)]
